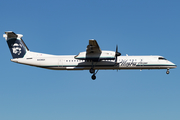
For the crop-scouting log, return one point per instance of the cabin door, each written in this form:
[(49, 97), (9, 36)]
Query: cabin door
[(61, 61)]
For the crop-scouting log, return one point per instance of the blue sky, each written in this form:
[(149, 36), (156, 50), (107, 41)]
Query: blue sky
[(59, 27)]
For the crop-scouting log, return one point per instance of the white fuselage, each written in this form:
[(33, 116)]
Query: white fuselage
[(92, 59), (68, 62)]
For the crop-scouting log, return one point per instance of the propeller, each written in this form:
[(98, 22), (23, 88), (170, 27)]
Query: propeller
[(117, 54)]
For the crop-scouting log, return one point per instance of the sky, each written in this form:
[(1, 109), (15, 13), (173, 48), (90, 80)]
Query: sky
[(63, 27)]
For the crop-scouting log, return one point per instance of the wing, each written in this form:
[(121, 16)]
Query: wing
[(93, 47), (93, 52)]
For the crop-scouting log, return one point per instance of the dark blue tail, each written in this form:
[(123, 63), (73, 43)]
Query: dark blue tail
[(16, 45)]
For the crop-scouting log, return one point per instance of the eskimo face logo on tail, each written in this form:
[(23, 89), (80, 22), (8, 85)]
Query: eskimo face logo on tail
[(16, 48)]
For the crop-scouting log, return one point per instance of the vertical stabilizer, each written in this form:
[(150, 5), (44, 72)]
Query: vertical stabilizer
[(16, 45)]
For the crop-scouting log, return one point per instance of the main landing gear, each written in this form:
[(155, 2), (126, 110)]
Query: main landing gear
[(167, 72), (92, 71)]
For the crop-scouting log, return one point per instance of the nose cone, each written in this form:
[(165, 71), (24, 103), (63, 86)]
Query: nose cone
[(173, 65)]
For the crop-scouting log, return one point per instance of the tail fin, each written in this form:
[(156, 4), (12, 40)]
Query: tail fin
[(16, 45)]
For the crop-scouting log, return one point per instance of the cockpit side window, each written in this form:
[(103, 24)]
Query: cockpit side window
[(161, 58)]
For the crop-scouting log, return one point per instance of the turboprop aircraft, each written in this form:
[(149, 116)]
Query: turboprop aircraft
[(93, 59)]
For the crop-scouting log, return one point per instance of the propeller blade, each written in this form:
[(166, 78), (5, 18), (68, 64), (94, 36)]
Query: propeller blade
[(117, 54), (116, 48)]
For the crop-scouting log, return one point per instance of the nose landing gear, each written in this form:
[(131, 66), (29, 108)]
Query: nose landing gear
[(167, 72)]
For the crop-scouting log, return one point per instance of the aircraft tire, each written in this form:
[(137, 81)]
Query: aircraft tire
[(92, 70), (93, 77)]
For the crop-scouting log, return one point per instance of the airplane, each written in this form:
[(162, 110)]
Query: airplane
[(93, 59)]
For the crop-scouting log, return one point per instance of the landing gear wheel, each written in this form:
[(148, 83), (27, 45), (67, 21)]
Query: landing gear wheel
[(93, 77), (167, 72), (92, 70)]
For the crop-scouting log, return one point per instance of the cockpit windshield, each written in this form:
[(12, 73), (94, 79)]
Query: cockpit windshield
[(161, 58)]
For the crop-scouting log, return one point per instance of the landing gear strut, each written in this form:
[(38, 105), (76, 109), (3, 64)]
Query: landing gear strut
[(167, 72), (92, 71)]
